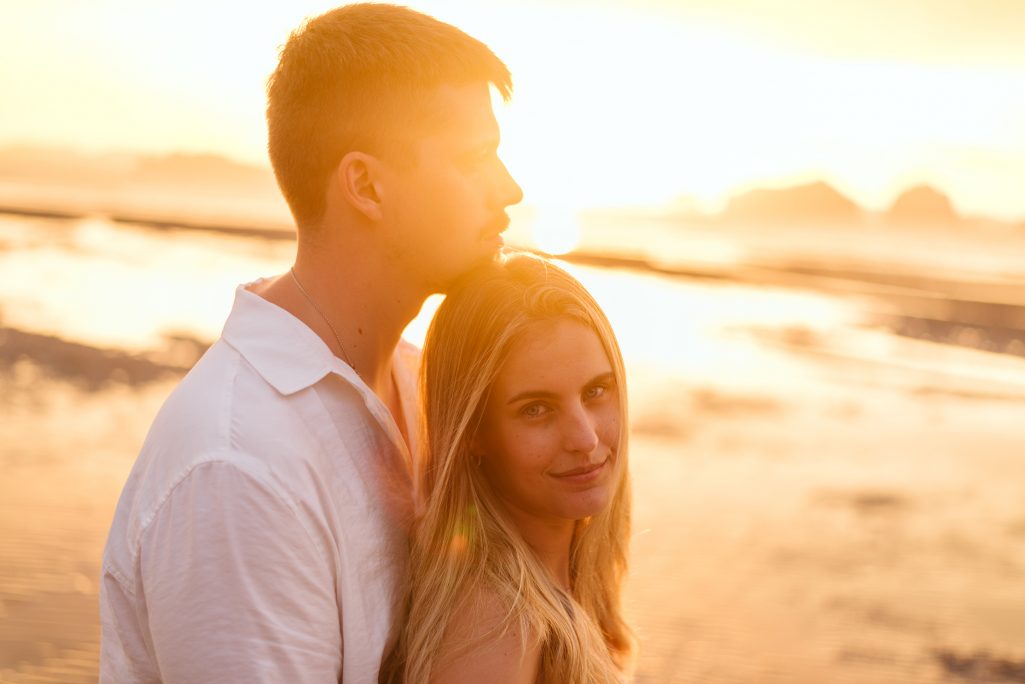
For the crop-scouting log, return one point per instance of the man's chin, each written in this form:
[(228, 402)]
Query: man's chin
[(482, 261), (495, 241)]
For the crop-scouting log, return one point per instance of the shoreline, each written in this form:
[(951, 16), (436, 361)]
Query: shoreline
[(981, 314)]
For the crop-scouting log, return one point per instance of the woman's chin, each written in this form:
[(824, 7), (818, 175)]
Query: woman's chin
[(587, 504)]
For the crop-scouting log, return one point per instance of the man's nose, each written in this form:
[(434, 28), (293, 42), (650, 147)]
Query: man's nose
[(510, 191)]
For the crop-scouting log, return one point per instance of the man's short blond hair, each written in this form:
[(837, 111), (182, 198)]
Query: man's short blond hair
[(359, 77)]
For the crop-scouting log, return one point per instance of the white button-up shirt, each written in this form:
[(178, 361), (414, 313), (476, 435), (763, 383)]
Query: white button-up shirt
[(262, 533)]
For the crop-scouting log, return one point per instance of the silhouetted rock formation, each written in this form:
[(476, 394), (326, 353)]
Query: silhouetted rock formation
[(50, 165), (923, 203), (202, 169), (197, 189), (812, 202)]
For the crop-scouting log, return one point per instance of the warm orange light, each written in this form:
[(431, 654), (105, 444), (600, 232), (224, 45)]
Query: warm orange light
[(556, 230), (615, 104)]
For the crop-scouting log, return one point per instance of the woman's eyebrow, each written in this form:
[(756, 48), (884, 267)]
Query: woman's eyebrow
[(532, 394), (544, 394)]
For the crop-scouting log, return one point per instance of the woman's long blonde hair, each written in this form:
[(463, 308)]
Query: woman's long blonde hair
[(463, 543)]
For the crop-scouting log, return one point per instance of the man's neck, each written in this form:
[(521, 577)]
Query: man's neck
[(354, 305)]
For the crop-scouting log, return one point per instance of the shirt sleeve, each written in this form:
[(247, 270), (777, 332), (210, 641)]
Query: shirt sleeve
[(237, 587)]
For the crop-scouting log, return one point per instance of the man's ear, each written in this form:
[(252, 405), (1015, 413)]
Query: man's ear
[(359, 181)]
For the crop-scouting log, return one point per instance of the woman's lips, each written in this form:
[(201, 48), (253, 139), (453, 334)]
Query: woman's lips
[(583, 473)]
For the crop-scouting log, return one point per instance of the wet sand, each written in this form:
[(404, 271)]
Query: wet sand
[(66, 450), (845, 540), (873, 531)]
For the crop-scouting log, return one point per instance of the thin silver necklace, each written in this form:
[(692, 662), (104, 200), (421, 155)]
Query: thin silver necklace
[(316, 308)]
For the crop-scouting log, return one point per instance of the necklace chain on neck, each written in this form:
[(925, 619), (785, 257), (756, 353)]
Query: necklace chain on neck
[(316, 308)]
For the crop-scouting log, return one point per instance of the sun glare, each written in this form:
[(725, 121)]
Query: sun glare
[(684, 108), (556, 230), (652, 101)]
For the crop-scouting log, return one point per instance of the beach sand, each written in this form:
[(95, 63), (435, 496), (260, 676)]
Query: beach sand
[(880, 540), (872, 531), (67, 448)]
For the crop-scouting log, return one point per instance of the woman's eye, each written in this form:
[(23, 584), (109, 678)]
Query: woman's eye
[(595, 391), (533, 410)]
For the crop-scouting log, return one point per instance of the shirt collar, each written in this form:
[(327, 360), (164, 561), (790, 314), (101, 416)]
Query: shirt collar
[(281, 348)]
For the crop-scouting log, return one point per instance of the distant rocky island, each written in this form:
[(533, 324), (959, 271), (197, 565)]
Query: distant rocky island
[(183, 188), (811, 202), (819, 201), (64, 165), (923, 203)]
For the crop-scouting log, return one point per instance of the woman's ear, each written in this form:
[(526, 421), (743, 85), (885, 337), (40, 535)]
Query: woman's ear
[(476, 448), (359, 181)]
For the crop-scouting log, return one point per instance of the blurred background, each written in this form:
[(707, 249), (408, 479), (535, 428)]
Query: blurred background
[(805, 220)]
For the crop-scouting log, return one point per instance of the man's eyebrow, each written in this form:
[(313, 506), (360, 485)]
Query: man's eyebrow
[(542, 394)]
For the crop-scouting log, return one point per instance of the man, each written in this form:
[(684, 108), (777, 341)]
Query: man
[(261, 535)]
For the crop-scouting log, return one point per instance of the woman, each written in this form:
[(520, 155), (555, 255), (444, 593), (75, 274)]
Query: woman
[(518, 558)]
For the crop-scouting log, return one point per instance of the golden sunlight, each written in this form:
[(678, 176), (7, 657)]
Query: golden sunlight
[(684, 104), (804, 222), (556, 230), (685, 107)]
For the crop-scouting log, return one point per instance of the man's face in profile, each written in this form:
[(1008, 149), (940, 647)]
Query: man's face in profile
[(450, 210)]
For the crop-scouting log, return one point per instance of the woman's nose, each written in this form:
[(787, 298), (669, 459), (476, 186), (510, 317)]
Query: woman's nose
[(579, 432)]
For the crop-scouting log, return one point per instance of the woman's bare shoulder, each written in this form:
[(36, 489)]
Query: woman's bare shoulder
[(482, 645)]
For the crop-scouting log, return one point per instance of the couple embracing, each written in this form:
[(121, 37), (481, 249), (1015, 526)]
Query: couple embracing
[(318, 501)]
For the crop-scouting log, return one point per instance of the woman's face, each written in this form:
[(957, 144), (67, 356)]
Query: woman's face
[(550, 430)]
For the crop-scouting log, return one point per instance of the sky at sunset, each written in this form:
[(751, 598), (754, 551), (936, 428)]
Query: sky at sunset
[(653, 102)]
